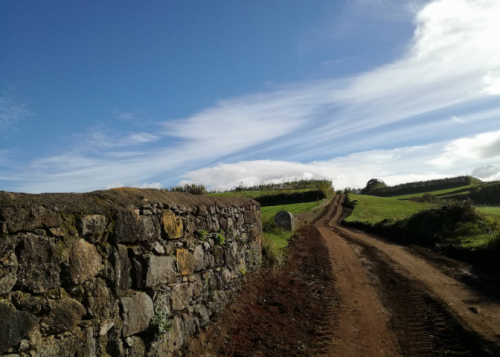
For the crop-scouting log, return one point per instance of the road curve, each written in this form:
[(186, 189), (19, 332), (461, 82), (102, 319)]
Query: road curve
[(395, 303)]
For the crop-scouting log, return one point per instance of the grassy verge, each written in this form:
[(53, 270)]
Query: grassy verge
[(276, 239)]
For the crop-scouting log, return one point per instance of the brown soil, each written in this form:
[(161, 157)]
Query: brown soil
[(346, 293)]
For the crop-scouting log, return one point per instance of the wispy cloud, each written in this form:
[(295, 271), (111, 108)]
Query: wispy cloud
[(450, 63), (11, 110)]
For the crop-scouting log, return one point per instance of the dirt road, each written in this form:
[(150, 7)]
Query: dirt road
[(346, 293)]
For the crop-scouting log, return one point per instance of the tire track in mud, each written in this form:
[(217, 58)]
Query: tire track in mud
[(422, 323), (316, 266)]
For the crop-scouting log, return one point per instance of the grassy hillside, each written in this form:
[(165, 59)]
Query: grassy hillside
[(442, 193), (419, 187), (373, 209)]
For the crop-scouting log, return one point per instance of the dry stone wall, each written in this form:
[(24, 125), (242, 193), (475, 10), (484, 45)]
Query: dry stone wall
[(124, 272)]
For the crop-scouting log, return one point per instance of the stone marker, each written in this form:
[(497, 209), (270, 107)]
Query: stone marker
[(284, 219)]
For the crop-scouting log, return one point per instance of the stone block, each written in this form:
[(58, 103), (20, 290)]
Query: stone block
[(30, 218), (137, 311), (160, 270), (8, 272), (131, 228), (15, 325), (91, 227), (64, 314), (38, 263), (172, 225), (85, 262), (185, 262), (199, 258), (182, 296), (122, 268)]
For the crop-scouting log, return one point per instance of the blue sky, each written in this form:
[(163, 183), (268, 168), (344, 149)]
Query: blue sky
[(99, 94)]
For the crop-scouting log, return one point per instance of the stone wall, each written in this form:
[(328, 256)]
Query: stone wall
[(124, 272)]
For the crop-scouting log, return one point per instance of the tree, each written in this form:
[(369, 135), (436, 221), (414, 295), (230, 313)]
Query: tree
[(371, 184)]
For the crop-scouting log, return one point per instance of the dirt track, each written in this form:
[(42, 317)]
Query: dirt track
[(345, 293)]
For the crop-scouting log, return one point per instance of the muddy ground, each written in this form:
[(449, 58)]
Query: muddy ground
[(345, 293)]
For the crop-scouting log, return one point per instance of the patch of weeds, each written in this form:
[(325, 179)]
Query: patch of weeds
[(220, 239), (160, 323), (202, 234)]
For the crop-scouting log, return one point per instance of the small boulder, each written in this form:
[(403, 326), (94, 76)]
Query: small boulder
[(91, 227), (85, 262), (8, 272), (185, 262), (160, 270), (182, 296), (30, 218), (14, 326), (63, 316), (172, 225), (38, 263), (137, 311), (132, 228)]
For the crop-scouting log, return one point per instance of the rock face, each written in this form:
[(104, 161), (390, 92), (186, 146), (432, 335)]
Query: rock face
[(125, 272), (284, 220), (137, 313)]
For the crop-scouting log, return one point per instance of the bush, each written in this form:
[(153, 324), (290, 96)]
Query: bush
[(160, 323)]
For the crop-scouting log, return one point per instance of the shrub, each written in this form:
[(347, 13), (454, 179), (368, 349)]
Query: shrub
[(160, 323)]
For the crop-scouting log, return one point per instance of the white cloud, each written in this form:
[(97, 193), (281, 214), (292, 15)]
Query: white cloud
[(487, 172), (479, 147), (451, 61), (457, 120), (156, 185), (492, 83), (393, 166), (114, 185)]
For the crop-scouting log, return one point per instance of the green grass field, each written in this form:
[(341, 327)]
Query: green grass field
[(372, 209), (493, 213), (447, 192)]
